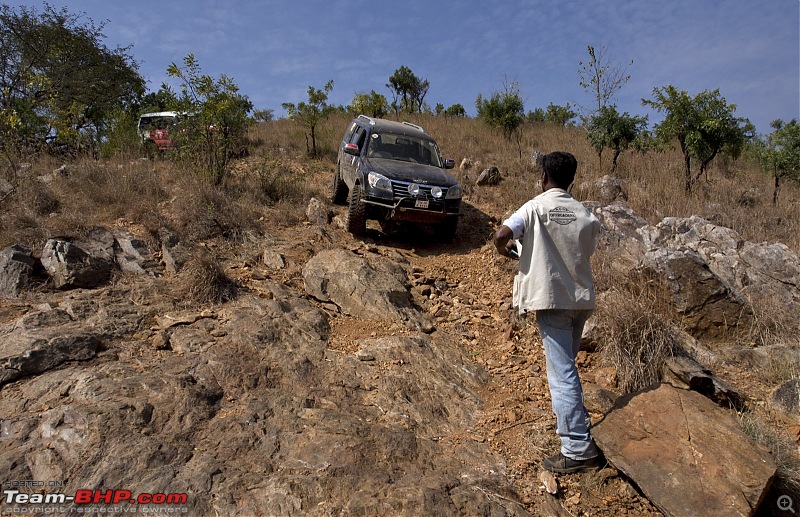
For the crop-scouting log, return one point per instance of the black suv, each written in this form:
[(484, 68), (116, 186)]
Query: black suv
[(394, 171)]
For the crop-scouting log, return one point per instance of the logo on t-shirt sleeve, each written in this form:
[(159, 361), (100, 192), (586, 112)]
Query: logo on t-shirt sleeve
[(561, 215)]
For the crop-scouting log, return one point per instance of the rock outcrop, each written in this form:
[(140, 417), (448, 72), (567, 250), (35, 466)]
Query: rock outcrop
[(372, 289), (80, 263), (710, 271), (16, 269), (688, 456), (246, 408), (132, 254)]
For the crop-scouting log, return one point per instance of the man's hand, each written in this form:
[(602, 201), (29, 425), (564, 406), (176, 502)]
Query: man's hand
[(502, 238)]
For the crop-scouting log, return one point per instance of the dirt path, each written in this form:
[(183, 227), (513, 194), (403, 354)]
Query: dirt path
[(466, 288)]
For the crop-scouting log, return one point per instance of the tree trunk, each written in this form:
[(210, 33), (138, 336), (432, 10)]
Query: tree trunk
[(777, 187), (313, 143), (687, 170), (617, 152)]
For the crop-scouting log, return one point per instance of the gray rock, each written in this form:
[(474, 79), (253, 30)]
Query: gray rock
[(702, 380), (60, 172), (688, 456), (16, 269), (787, 397), (6, 188), (273, 260), (490, 176), (23, 356), (606, 190), (708, 306), (764, 270), (374, 289), (174, 253), (537, 159), (83, 263), (466, 164), (132, 254), (317, 212), (620, 240)]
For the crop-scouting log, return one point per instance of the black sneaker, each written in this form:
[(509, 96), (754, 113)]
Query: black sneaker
[(562, 465)]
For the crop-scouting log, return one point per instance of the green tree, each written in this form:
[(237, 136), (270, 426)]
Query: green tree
[(779, 153), (718, 130), (504, 110), (704, 126), (263, 115), (456, 110), (372, 104), (313, 112), (602, 79), (214, 132), (58, 80), (610, 129), (162, 100), (554, 114), (408, 91)]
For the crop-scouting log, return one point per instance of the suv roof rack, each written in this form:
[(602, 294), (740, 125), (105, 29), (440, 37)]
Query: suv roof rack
[(414, 126), (371, 122)]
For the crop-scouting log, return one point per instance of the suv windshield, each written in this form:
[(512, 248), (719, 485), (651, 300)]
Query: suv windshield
[(404, 148), (148, 122)]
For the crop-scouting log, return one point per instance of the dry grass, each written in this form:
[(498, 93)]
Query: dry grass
[(637, 339), (762, 430), (204, 281)]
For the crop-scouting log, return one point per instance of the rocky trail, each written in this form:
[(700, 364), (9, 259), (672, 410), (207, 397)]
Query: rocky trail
[(380, 376)]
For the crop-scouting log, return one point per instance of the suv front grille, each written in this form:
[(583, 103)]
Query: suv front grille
[(400, 190)]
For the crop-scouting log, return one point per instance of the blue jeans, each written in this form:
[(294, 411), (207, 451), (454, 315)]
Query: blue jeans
[(561, 335)]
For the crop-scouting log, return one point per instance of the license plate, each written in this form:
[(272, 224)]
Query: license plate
[(421, 203)]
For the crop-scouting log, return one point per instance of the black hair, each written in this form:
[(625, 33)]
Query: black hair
[(560, 167)]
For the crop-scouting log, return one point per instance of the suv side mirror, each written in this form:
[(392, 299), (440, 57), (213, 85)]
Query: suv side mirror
[(449, 163), (352, 149)]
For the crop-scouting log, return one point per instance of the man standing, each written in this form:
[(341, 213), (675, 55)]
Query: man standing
[(558, 236)]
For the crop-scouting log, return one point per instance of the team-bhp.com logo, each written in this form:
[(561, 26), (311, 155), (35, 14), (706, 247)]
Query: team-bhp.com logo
[(92, 498)]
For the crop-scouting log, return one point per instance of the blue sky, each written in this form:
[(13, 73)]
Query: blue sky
[(275, 49)]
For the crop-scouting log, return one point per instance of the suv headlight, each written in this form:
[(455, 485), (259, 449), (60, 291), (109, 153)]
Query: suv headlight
[(454, 192), (379, 181)]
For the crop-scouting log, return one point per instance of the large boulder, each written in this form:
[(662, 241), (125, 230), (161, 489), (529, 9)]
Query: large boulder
[(81, 263), (708, 306), (763, 270), (688, 456), (606, 190), (372, 289), (25, 355), (620, 240), (16, 269)]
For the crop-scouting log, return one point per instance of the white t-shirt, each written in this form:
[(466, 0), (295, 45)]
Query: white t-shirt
[(558, 236)]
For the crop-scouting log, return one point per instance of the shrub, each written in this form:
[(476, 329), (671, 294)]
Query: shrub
[(205, 282), (636, 339)]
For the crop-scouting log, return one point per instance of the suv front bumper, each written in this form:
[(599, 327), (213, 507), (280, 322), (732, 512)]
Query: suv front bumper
[(406, 211)]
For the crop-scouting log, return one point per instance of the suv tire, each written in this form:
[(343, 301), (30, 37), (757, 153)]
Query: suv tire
[(339, 188), (357, 213)]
